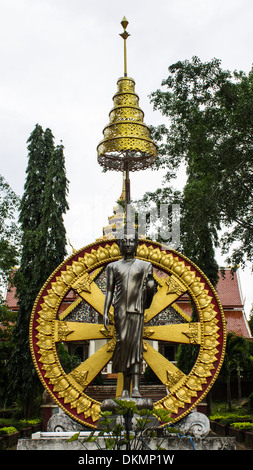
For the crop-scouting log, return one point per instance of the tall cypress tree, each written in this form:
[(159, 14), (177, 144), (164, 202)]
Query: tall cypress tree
[(51, 231), (29, 277), (43, 249)]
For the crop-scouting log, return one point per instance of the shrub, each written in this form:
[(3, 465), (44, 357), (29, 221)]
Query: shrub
[(243, 426), (7, 430), (216, 417), (30, 422), (18, 424), (228, 418)]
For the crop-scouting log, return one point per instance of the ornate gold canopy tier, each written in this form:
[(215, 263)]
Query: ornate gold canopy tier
[(126, 138), (127, 144)]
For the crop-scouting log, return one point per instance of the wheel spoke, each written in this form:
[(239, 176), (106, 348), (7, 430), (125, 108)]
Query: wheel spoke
[(175, 333), (87, 371), (79, 331), (164, 297), (93, 296), (167, 372), (120, 383)]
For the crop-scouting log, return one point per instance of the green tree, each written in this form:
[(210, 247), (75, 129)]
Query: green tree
[(187, 353), (197, 236), (9, 254), (237, 357), (210, 113), (9, 232), (209, 130), (51, 247), (198, 233), (43, 249), (7, 320)]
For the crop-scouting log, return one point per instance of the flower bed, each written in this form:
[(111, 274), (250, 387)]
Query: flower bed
[(7, 430), (244, 426), (235, 425), (229, 418), (243, 433), (9, 435)]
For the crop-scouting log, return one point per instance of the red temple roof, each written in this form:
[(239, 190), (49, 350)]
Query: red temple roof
[(11, 299), (229, 290)]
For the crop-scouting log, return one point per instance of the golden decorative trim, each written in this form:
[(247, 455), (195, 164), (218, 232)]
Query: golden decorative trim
[(192, 333), (147, 331), (173, 378), (62, 331), (83, 285), (175, 286), (80, 378)]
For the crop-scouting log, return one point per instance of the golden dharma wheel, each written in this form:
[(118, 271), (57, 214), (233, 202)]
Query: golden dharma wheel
[(53, 322)]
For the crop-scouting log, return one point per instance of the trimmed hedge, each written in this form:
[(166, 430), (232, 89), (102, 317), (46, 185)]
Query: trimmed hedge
[(7, 430), (244, 426), (229, 418), (18, 424)]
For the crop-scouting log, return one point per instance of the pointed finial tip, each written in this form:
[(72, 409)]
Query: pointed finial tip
[(124, 23)]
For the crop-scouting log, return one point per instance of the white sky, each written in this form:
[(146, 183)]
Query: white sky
[(59, 64)]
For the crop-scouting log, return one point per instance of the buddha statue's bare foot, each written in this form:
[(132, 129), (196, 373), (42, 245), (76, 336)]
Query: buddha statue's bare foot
[(136, 393), (125, 395)]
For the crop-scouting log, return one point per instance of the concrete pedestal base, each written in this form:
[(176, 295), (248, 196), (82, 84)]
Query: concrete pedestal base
[(194, 433), (58, 441)]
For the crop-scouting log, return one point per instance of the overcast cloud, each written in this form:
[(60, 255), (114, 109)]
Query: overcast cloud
[(60, 61)]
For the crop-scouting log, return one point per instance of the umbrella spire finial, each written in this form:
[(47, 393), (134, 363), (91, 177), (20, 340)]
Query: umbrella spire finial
[(125, 35)]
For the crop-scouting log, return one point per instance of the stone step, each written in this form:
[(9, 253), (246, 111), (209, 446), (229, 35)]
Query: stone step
[(101, 392)]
